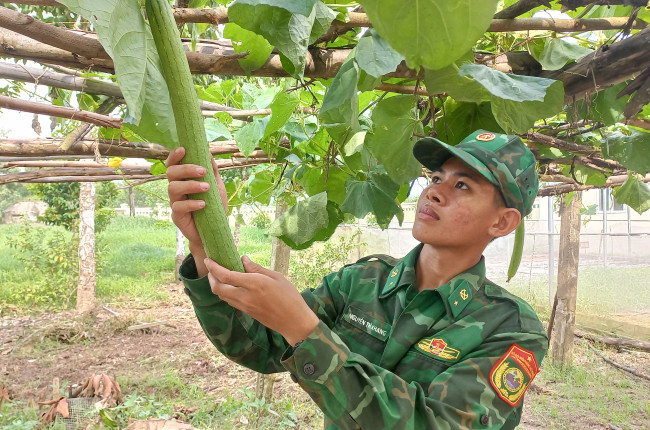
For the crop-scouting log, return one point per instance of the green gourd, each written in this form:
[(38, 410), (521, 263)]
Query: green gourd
[(211, 221)]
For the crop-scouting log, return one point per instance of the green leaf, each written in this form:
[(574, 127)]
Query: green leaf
[(631, 151), (557, 53), (506, 85), (323, 17), (310, 220), (461, 88), (375, 56), (249, 136), (585, 175), (315, 181), (517, 101), (122, 30), (376, 194), (216, 130), (261, 187), (391, 141), (286, 24), (258, 48), (158, 168), (430, 33), (281, 109), (339, 111), (462, 119), (633, 193), (605, 106)]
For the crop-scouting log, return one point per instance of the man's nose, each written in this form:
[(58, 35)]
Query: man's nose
[(436, 193)]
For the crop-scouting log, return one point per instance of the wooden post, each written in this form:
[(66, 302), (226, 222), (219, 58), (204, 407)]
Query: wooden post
[(87, 269), (567, 275), (280, 257)]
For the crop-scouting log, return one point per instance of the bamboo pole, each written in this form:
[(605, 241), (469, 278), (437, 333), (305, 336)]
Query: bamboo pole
[(60, 112)]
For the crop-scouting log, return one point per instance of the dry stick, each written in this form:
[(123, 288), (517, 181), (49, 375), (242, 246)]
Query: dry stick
[(612, 181), (641, 123), (59, 111), (574, 4), (81, 131), (617, 365), (616, 341), (551, 320)]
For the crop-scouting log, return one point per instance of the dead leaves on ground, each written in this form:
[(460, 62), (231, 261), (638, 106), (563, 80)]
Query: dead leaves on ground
[(4, 395), (58, 406), (101, 386)]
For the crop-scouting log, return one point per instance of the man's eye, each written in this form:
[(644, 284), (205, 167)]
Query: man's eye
[(435, 179), (462, 185)]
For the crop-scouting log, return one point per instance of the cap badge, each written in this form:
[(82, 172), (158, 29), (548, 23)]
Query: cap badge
[(486, 137)]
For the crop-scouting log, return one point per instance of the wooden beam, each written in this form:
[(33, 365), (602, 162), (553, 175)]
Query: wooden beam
[(108, 148), (60, 112), (520, 8), (606, 67), (612, 181)]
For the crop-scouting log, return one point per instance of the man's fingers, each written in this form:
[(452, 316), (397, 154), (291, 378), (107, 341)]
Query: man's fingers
[(175, 156), (180, 172), (252, 267), (186, 206), (178, 190)]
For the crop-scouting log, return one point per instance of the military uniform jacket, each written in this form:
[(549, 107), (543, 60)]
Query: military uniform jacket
[(385, 356)]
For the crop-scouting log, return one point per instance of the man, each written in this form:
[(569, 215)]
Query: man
[(425, 341)]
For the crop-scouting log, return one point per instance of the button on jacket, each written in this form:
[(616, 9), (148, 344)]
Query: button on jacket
[(387, 356)]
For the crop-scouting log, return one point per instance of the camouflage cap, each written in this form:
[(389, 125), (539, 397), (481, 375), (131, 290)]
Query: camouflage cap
[(502, 159)]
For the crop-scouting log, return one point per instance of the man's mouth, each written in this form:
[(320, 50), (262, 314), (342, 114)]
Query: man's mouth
[(427, 212)]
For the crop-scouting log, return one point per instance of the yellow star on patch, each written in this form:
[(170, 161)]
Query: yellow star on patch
[(456, 303)]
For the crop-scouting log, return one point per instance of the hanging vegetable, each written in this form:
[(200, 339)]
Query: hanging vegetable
[(211, 221)]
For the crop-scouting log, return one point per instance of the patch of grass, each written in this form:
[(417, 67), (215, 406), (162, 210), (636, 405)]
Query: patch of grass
[(592, 394)]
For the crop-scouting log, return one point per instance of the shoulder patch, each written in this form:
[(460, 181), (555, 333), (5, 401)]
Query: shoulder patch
[(513, 374), (387, 259)]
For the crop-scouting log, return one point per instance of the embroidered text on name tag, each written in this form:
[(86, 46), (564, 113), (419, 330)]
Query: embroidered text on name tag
[(365, 322)]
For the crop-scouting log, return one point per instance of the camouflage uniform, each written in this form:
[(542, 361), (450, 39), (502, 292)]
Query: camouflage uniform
[(387, 356)]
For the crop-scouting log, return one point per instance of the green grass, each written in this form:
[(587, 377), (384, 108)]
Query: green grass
[(592, 394)]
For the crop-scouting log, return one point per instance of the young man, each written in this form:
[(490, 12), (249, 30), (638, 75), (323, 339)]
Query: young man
[(422, 342)]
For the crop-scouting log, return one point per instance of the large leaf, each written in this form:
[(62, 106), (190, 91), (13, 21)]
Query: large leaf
[(122, 31), (310, 220), (332, 180), (249, 136), (282, 107), (633, 193), (517, 101), (375, 195), (430, 33), (605, 106), (243, 40), (631, 151), (216, 130), (375, 56), (339, 112), (462, 119), (557, 53), (392, 138), (261, 187), (447, 80), (286, 24)]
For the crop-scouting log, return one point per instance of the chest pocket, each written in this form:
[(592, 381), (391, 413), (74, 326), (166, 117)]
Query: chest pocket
[(365, 333)]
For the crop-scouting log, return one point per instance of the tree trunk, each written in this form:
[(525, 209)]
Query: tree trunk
[(131, 202), (280, 256), (180, 252), (87, 270), (567, 275)]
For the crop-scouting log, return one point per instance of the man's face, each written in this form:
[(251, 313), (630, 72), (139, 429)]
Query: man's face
[(457, 208)]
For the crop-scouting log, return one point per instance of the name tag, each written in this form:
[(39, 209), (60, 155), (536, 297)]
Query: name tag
[(365, 322)]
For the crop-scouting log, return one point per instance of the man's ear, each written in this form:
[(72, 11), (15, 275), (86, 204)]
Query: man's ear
[(507, 221)]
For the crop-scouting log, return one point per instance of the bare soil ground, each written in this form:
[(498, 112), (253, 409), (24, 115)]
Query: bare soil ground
[(35, 351)]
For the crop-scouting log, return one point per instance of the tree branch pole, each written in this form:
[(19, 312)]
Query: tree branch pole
[(520, 8), (561, 144), (615, 341), (60, 112), (38, 148), (612, 181), (606, 67), (106, 173), (617, 365)]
